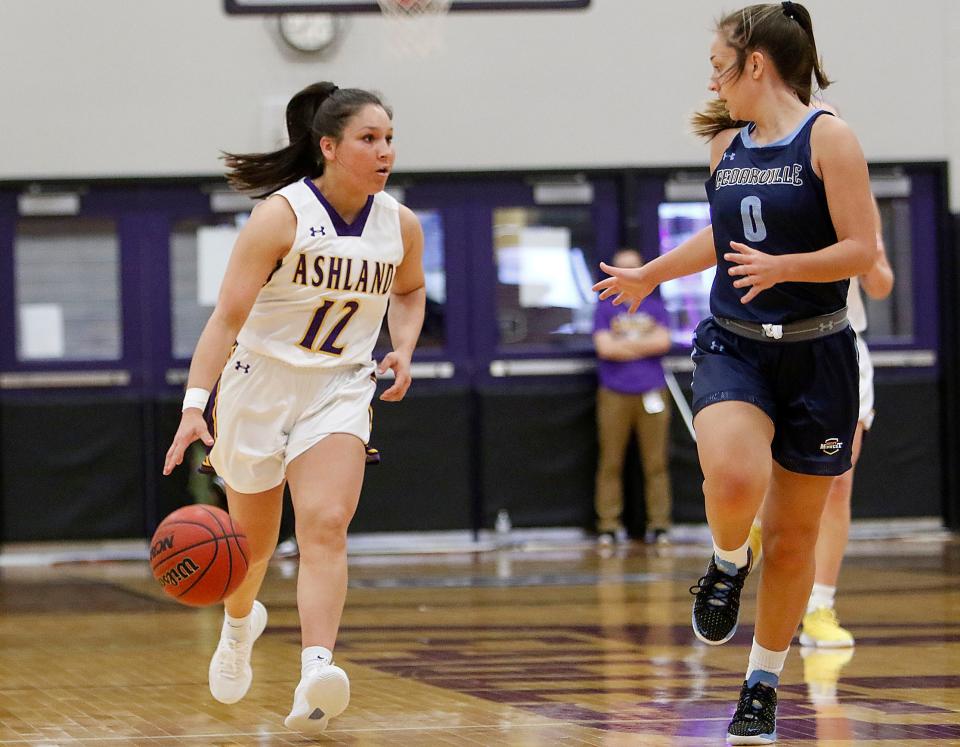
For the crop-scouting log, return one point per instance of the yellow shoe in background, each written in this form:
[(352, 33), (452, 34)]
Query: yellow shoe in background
[(821, 672), (756, 544), (821, 630)]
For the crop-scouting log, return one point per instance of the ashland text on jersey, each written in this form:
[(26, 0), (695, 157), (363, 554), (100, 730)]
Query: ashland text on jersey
[(343, 273)]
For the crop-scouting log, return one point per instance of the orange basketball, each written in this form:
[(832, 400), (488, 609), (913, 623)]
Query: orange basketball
[(199, 555)]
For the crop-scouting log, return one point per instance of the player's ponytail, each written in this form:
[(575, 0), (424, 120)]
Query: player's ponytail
[(319, 110), (802, 16)]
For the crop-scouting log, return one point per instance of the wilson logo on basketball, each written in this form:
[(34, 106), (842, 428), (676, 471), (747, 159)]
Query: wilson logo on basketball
[(180, 572), (166, 543), (199, 555), (831, 446)]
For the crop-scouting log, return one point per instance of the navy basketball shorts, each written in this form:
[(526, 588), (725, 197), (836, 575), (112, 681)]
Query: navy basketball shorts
[(808, 389)]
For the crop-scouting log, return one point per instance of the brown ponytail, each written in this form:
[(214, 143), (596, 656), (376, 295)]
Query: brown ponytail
[(319, 110)]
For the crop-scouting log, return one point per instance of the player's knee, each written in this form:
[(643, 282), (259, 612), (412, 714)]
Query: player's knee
[(327, 529), (732, 485), (789, 548), (840, 490)]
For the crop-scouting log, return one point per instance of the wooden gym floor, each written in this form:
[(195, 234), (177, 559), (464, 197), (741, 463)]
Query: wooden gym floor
[(541, 645)]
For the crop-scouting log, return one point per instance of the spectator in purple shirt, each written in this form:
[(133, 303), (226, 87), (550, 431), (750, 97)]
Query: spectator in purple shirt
[(631, 397)]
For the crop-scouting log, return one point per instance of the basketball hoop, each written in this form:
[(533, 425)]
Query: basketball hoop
[(416, 25)]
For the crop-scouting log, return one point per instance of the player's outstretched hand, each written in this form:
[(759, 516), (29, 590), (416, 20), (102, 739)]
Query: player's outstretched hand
[(627, 284), (754, 269), (192, 427), (400, 365)]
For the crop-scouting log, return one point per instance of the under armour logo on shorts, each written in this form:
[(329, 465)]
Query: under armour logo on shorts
[(245, 367)]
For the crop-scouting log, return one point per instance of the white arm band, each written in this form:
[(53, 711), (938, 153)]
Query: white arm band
[(195, 397)]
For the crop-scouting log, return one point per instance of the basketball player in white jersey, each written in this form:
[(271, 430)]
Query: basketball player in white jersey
[(304, 295), (820, 629)]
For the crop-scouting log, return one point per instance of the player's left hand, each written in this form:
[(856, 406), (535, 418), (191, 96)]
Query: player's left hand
[(400, 365), (755, 269)]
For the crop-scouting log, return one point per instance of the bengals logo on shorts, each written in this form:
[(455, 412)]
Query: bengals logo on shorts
[(831, 446)]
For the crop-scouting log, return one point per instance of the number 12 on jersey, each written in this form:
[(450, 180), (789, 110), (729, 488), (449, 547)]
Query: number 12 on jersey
[(327, 344)]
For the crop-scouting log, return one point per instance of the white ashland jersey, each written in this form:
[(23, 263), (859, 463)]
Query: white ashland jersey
[(324, 303)]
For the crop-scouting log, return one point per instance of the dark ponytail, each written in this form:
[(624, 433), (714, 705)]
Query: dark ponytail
[(784, 32), (802, 16), (319, 110)]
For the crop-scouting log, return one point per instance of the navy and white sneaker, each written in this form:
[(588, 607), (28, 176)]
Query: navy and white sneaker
[(755, 720), (716, 609)]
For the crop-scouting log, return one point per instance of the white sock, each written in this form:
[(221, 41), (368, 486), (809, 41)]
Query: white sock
[(315, 656), (729, 561), (821, 596), (765, 665), (237, 627)]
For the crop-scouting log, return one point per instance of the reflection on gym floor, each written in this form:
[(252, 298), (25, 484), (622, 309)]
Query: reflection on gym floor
[(539, 643)]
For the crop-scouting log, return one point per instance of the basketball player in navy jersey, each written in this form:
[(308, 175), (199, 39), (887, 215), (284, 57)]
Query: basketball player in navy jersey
[(775, 387), (304, 295)]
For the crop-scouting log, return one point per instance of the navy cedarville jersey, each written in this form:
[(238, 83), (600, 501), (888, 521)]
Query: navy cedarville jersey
[(769, 198)]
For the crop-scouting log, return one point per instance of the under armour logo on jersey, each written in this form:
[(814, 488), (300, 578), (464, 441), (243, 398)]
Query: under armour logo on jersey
[(716, 347), (731, 156), (322, 231), (245, 367)]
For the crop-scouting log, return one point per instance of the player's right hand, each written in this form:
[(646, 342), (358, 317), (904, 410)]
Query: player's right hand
[(630, 284), (192, 427)]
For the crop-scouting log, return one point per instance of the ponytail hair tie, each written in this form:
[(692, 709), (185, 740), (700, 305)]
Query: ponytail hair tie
[(789, 10)]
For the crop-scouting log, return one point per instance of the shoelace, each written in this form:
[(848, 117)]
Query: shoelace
[(719, 585), (827, 615), (750, 706), (230, 662)]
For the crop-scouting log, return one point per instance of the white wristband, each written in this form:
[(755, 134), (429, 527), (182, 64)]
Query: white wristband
[(195, 397)]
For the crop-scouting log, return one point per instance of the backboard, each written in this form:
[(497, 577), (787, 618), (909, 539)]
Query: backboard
[(370, 6)]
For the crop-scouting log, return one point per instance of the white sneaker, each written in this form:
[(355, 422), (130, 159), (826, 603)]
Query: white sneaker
[(323, 693), (230, 673)]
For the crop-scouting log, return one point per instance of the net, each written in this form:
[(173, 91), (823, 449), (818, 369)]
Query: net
[(416, 27)]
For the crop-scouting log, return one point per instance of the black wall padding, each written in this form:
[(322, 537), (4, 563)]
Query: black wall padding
[(172, 491), (77, 468), (424, 481), (73, 469), (539, 452), (899, 473)]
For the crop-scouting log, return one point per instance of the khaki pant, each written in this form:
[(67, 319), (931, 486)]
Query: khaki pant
[(617, 416)]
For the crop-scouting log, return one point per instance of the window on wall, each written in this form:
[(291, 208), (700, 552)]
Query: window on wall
[(892, 317), (889, 320), (67, 280), (686, 299), (433, 335), (542, 257), (199, 250)]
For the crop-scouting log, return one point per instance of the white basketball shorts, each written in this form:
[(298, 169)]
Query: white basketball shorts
[(267, 413), (866, 384)]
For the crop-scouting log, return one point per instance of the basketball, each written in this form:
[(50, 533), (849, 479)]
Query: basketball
[(199, 555)]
